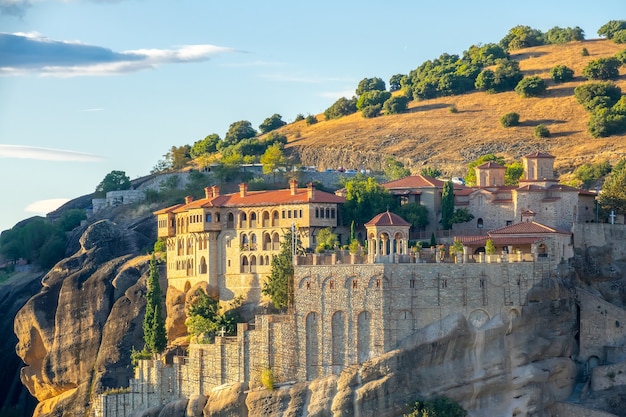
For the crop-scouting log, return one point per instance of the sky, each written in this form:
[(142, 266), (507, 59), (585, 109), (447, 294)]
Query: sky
[(92, 86)]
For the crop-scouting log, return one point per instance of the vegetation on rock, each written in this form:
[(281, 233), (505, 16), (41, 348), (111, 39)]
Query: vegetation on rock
[(154, 323)]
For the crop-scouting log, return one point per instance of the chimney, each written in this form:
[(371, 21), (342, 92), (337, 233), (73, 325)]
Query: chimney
[(243, 189), (216, 190), (188, 199), (310, 189), (208, 193), (293, 186)]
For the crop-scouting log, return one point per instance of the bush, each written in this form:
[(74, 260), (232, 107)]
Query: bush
[(267, 378), (341, 107), (620, 36), (396, 105), (310, 120), (530, 87), (605, 122), (541, 131), (371, 111), (453, 109), (610, 28), (621, 56), (584, 52), (602, 69), (509, 120), (561, 74), (439, 407), (299, 117), (597, 94)]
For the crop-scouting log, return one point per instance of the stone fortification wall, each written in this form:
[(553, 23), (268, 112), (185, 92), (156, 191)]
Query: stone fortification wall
[(347, 314), (601, 324)]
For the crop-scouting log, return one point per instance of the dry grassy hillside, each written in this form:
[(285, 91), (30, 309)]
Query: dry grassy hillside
[(429, 134)]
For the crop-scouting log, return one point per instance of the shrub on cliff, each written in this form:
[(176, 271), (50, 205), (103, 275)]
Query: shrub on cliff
[(440, 407)]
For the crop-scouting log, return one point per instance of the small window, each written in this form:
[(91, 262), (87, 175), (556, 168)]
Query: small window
[(509, 222), (283, 214), (444, 283), (355, 284), (479, 223), (332, 213), (208, 218), (289, 214), (308, 285), (300, 213), (412, 283), (377, 282), (482, 283), (331, 284), (317, 213)]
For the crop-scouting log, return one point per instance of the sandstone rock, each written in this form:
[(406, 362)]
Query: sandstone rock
[(227, 402), (196, 405), (174, 409)]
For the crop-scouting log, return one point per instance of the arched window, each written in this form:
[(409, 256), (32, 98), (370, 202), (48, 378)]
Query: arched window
[(230, 221), (479, 223)]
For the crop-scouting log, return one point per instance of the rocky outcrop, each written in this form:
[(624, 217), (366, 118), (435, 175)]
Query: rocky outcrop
[(75, 335)]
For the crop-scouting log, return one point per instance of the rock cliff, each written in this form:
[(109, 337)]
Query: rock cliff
[(75, 335)]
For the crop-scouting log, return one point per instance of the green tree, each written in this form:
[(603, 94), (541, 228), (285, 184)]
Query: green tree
[(484, 55), (490, 248), (228, 167), (113, 181), (325, 239), (154, 324), (513, 173), (608, 29), (365, 198), (279, 284), (273, 158), (371, 111), (432, 172), (299, 117), (71, 219), (509, 120), (558, 35), (340, 108), (396, 105), (507, 75), (370, 84), (414, 213), (602, 69), (522, 37), (178, 157), (486, 81), (395, 169), (613, 193), (588, 174), (310, 120), (532, 86), (272, 123), (440, 407), (541, 131), (447, 205), (606, 122), (561, 74), (395, 82), (461, 215), (208, 145), (238, 131), (620, 36), (372, 98), (621, 56), (597, 94), (470, 177)]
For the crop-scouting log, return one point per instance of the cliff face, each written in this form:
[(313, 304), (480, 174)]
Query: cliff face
[(76, 333)]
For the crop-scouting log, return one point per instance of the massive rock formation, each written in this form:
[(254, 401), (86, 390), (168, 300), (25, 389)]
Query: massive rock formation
[(76, 334)]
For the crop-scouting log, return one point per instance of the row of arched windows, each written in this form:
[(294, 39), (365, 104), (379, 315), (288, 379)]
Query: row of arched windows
[(249, 263), (248, 241)]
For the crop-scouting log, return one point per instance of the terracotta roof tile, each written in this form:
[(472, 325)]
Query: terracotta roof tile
[(526, 228), (167, 209), (490, 165), (387, 219)]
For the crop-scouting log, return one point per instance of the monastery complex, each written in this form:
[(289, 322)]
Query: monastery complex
[(351, 307)]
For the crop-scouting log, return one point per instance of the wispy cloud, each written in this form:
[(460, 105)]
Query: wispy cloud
[(25, 53), (45, 206), (46, 154), (18, 8), (95, 109)]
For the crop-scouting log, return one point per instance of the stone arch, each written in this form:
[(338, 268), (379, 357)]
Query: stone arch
[(351, 281), (312, 345), (592, 362), (244, 242), (275, 241), (275, 218), (339, 339), (267, 260), (265, 218), (478, 318), (398, 243), (203, 266), (243, 219), (253, 264), (245, 267), (253, 220), (329, 283), (378, 281), (364, 337), (230, 220), (303, 282), (252, 241), (405, 325), (266, 241), (261, 260)]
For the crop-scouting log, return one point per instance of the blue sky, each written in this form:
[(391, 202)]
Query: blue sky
[(87, 87)]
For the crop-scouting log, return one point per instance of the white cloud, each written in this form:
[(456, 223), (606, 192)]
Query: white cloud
[(26, 53), (46, 154), (45, 206)]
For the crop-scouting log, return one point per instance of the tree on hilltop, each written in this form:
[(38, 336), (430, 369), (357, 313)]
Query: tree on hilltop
[(341, 107), (238, 131), (370, 84), (522, 37), (205, 146), (609, 28), (272, 123), (113, 181)]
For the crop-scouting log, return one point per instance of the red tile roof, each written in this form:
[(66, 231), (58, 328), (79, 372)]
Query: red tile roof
[(498, 240), (258, 198), (414, 181), (387, 219), (491, 165), (539, 155), (167, 209), (526, 228)]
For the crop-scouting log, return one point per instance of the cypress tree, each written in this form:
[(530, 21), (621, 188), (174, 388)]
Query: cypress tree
[(153, 323), (447, 205)]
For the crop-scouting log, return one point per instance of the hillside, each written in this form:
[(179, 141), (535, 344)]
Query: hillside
[(429, 134)]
